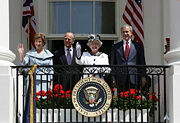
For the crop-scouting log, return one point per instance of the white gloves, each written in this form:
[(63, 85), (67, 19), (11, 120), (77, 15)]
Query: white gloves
[(78, 49)]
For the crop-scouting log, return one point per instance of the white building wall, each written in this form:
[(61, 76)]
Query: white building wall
[(153, 31), (15, 22)]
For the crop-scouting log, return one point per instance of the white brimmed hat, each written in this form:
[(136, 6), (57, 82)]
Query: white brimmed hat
[(93, 37)]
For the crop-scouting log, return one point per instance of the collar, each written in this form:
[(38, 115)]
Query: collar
[(97, 54), (124, 42), (65, 48), (46, 54)]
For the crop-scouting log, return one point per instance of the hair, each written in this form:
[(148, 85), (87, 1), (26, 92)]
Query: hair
[(127, 25), (40, 35)]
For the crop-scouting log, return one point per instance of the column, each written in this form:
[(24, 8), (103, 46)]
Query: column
[(173, 58), (6, 59)]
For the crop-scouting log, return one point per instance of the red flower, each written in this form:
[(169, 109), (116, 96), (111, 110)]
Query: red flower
[(49, 94), (57, 87), (126, 94), (37, 98), (39, 93), (113, 89), (153, 95), (55, 96), (138, 97), (121, 94), (131, 92), (68, 93), (62, 96), (61, 92)]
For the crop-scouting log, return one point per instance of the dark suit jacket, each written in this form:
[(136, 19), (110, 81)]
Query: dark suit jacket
[(64, 75), (136, 57), (60, 57)]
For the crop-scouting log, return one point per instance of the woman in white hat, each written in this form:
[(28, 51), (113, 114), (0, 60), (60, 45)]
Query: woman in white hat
[(93, 58)]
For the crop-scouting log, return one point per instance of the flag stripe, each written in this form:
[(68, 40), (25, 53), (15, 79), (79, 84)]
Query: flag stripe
[(137, 9), (137, 17), (137, 34), (134, 19), (133, 16)]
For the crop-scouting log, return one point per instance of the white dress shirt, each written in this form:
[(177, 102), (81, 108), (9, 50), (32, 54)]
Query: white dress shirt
[(124, 44)]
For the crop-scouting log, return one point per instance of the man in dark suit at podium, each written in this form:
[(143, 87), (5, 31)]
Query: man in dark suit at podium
[(66, 56), (128, 52)]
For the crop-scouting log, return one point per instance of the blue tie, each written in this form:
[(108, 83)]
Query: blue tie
[(68, 56)]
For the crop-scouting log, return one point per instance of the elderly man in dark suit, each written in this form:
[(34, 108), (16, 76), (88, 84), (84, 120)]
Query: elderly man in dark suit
[(66, 56), (128, 52)]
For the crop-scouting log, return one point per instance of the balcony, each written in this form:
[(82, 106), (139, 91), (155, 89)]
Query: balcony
[(129, 103)]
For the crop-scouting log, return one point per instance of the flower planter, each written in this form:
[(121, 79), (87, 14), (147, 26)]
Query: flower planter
[(74, 116)]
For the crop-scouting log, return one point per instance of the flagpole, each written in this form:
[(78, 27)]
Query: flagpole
[(21, 21), (28, 33), (70, 16)]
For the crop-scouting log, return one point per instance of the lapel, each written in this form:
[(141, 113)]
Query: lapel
[(62, 57), (73, 62), (132, 52), (121, 50)]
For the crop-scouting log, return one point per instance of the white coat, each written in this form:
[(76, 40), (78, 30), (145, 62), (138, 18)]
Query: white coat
[(90, 59)]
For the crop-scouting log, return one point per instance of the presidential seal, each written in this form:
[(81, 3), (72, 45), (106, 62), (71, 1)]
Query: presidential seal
[(91, 96)]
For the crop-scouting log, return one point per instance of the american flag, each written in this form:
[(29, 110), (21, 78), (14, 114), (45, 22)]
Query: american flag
[(133, 16), (28, 12)]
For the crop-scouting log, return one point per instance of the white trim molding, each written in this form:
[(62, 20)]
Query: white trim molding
[(6, 56), (173, 56)]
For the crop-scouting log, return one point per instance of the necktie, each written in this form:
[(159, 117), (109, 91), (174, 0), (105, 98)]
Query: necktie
[(68, 56), (127, 49)]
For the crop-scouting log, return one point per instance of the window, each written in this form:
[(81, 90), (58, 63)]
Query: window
[(82, 17)]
